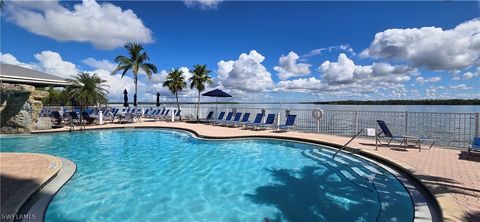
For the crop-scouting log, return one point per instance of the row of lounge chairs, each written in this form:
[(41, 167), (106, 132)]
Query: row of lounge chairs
[(236, 120)]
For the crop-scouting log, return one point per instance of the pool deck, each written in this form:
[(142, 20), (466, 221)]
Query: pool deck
[(23, 174), (452, 179)]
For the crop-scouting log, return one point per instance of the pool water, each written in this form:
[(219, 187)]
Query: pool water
[(166, 175)]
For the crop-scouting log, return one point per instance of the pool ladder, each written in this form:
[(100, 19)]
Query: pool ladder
[(346, 144)]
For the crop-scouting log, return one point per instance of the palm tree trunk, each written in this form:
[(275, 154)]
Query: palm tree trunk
[(198, 106), (136, 96), (178, 106)]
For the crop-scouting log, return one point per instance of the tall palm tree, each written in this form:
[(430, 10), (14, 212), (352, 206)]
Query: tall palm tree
[(87, 89), (136, 61), (199, 80), (175, 82)]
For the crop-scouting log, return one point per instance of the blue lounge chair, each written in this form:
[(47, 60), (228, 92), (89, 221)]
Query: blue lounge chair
[(390, 137), (268, 122), (227, 119), (257, 120), (220, 118), (57, 117), (208, 118), (288, 124), (89, 119), (74, 117), (475, 146), (236, 118), (244, 120)]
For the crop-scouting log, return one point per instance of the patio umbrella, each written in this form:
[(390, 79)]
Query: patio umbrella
[(125, 98), (216, 93), (158, 99), (135, 100)]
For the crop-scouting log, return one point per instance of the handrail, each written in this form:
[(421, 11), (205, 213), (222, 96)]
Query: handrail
[(346, 144)]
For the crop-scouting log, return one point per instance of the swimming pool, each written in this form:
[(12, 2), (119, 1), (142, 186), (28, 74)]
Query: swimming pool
[(167, 175)]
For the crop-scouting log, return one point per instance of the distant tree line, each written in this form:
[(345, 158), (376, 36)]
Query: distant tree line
[(405, 102)]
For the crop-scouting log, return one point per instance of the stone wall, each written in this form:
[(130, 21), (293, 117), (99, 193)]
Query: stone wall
[(20, 106)]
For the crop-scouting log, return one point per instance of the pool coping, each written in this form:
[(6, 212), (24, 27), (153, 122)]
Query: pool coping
[(18, 200), (447, 207), (37, 204)]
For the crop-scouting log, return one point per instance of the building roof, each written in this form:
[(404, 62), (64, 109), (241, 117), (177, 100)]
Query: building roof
[(21, 75)]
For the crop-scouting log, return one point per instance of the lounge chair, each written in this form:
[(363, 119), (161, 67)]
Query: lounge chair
[(257, 120), (74, 117), (219, 118), (88, 118), (475, 146), (236, 118), (288, 124), (244, 120), (164, 115), (268, 122), (208, 118), (399, 138), (227, 119), (57, 117)]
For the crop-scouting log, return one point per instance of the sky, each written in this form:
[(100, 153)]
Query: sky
[(275, 51)]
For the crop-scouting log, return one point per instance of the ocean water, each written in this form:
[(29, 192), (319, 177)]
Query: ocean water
[(164, 175)]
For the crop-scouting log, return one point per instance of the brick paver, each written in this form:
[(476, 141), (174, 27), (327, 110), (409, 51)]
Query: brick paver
[(454, 180)]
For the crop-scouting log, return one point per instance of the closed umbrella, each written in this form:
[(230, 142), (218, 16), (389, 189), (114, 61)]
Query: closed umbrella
[(125, 98), (135, 100), (158, 99), (216, 93)]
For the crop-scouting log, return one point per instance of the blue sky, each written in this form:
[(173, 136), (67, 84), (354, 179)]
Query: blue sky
[(262, 51)]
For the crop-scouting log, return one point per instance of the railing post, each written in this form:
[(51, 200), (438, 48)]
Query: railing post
[(356, 121), (406, 122), (477, 124)]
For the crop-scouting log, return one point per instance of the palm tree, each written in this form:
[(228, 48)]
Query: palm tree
[(136, 61), (87, 89), (175, 82), (199, 80), (2, 4)]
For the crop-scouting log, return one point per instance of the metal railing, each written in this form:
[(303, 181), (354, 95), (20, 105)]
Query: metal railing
[(448, 129)]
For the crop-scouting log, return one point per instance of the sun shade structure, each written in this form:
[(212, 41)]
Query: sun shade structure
[(216, 93), (20, 75)]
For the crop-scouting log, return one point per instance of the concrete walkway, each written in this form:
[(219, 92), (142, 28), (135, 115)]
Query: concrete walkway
[(454, 181)]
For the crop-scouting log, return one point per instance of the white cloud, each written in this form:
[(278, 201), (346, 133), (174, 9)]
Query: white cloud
[(246, 74), (460, 87), (300, 85), (203, 4), (104, 25), (422, 80), (8, 58), (100, 64), (52, 63), (345, 71), (319, 51), (288, 67), (430, 47), (471, 74)]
